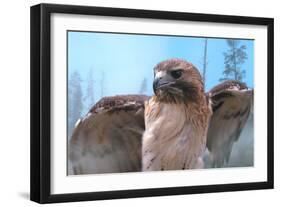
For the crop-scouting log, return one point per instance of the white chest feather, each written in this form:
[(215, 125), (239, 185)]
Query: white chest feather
[(174, 139)]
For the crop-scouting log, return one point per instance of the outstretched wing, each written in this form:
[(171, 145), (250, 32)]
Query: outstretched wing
[(231, 103), (108, 138)]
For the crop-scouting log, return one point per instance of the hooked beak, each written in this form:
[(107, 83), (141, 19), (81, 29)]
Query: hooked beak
[(160, 83)]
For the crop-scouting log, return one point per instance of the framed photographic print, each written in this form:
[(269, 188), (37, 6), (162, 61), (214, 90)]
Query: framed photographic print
[(133, 103)]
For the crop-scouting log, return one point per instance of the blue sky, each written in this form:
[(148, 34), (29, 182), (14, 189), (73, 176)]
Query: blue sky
[(126, 59)]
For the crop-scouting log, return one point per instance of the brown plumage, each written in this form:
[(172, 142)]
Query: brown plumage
[(176, 119), (168, 131), (108, 138)]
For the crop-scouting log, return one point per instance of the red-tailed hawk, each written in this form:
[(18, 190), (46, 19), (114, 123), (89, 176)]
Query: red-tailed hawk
[(168, 131)]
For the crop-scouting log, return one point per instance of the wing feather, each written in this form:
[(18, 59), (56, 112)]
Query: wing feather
[(108, 138), (231, 103)]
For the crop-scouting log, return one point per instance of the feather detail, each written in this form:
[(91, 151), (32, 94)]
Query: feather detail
[(108, 138), (231, 102), (175, 136)]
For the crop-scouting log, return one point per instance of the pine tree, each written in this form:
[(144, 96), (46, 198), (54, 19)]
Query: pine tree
[(143, 87), (75, 104), (90, 94), (233, 60)]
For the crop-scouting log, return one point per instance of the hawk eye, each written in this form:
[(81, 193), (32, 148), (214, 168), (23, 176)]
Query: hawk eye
[(176, 74)]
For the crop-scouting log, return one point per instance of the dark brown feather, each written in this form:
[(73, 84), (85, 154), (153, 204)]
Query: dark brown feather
[(114, 103)]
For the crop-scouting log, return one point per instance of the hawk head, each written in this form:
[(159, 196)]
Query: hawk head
[(177, 81)]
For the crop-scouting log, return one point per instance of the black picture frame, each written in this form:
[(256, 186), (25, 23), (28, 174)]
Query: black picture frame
[(41, 98)]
